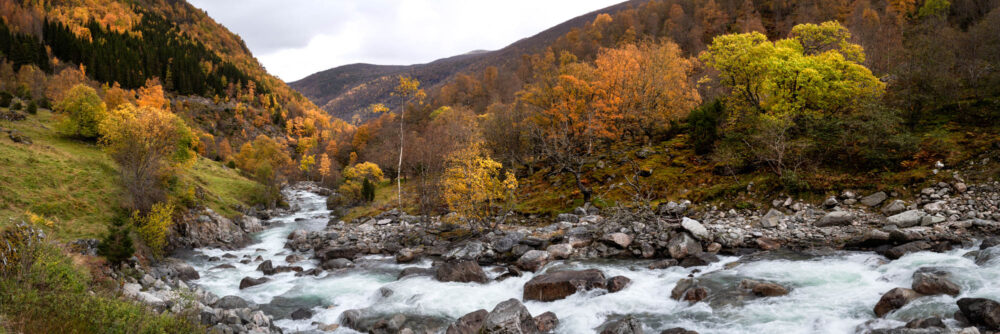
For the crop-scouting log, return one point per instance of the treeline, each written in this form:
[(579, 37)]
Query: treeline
[(22, 49), (155, 48)]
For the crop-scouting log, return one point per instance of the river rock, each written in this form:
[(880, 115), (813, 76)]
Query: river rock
[(836, 218), (231, 302), (416, 271), (627, 325), (509, 317), (688, 289), (893, 300), (663, 264), (767, 244), (682, 245), (772, 218), (406, 255), (906, 218), (915, 246), (618, 239), (874, 199), (177, 269), (699, 259), (247, 282), (677, 330), (895, 207), (560, 251), (266, 267), (337, 253), (206, 229), (301, 313), (337, 264), (546, 322), (470, 251), (763, 289), (932, 322), (460, 271), (618, 283), (989, 242), (933, 281), (561, 284), (981, 312), (696, 229), (469, 323), (533, 260)]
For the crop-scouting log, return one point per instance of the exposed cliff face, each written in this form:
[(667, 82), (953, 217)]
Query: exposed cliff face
[(209, 229)]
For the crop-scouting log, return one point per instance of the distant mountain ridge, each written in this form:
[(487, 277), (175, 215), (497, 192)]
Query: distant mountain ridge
[(345, 91)]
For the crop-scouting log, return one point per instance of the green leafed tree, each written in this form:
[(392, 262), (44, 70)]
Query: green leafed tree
[(81, 111)]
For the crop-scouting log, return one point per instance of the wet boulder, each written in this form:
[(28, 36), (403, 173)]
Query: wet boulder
[(663, 264), (415, 271), (247, 282), (618, 283), (460, 271), (689, 290), (981, 312), (533, 260), (406, 255), (763, 289), (561, 284), (627, 325), (911, 247), (932, 322), (301, 313), (677, 330), (511, 317), (546, 322), (337, 252), (894, 300), (934, 281), (699, 259), (339, 263), (469, 323)]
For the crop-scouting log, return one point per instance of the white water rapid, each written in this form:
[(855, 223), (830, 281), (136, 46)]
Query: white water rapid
[(830, 293)]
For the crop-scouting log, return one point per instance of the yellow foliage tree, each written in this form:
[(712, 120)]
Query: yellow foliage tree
[(151, 95), (473, 188), (354, 177), (324, 167), (153, 226)]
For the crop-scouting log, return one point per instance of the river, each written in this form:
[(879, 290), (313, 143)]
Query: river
[(831, 292)]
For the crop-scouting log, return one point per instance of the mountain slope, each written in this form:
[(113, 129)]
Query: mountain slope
[(345, 91)]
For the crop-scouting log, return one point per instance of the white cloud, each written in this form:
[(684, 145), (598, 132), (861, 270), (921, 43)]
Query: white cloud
[(295, 38)]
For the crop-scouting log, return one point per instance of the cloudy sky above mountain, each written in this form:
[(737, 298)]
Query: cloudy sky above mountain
[(295, 38)]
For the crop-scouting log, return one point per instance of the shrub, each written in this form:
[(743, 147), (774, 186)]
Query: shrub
[(153, 226), (81, 111), (5, 99), (16, 106), (116, 246), (367, 191), (32, 108), (703, 124)]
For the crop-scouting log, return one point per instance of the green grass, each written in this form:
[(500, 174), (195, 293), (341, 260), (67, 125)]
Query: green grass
[(73, 183), (385, 199), (56, 295)]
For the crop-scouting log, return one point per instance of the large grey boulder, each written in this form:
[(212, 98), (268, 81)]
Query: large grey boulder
[(469, 323), (696, 229), (895, 207), (470, 251), (934, 281), (509, 317), (772, 218), (460, 271), (906, 218), (836, 218), (682, 245), (533, 260), (981, 312), (231, 302), (874, 199)]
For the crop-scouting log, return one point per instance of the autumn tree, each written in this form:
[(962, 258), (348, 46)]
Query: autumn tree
[(151, 95), (408, 88), (324, 167), (81, 111), (779, 90), (474, 188), (149, 146), (355, 176), (267, 161)]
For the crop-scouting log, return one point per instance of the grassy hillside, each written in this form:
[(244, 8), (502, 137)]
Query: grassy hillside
[(73, 182)]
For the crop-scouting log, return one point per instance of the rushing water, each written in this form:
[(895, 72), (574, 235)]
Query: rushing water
[(832, 293)]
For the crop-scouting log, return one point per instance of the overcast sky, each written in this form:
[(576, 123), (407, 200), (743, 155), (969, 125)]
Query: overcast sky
[(295, 38)]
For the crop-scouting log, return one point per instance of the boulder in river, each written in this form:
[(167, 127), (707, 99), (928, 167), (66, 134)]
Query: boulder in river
[(699, 259), (688, 289), (509, 316), (231, 302), (339, 263), (469, 323), (934, 281), (627, 325), (546, 322), (677, 330), (911, 247), (618, 283), (560, 251), (894, 299), (561, 284), (247, 282), (301, 313), (763, 289), (981, 312), (460, 271), (415, 271), (533, 260), (406, 255), (663, 264)]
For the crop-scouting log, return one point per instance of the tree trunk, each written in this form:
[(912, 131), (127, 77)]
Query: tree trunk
[(399, 166), (583, 189)]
